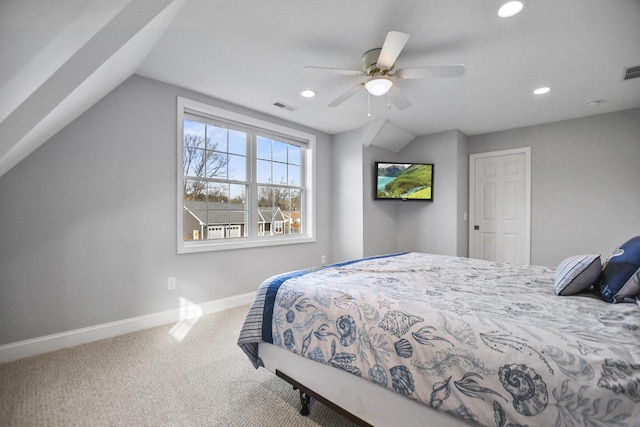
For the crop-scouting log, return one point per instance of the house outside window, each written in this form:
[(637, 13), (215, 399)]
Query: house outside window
[(242, 182)]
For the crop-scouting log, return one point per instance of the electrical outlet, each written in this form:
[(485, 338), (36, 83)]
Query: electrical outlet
[(171, 283), (323, 259)]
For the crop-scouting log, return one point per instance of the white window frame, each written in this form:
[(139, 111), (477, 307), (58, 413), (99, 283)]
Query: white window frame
[(253, 240)]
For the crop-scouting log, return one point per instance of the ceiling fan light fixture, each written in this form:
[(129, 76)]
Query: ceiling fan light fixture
[(510, 8), (378, 86)]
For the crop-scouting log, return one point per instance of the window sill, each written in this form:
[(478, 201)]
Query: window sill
[(230, 244)]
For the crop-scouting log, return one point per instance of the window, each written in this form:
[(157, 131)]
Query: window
[(242, 182)]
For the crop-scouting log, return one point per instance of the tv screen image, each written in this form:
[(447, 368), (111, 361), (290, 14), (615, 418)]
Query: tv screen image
[(404, 181)]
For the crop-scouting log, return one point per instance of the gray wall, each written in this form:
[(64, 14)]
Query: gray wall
[(87, 222), (435, 227), (585, 182), (361, 226), (380, 216), (463, 194), (346, 198)]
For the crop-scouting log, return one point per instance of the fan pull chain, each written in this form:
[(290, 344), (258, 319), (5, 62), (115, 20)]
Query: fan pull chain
[(389, 100), (368, 104)]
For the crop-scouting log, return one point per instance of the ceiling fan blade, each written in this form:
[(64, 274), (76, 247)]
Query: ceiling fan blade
[(398, 99), (431, 72), (348, 94), (393, 45), (339, 71)]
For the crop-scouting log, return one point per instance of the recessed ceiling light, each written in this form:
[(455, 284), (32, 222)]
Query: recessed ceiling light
[(541, 90), (510, 8), (308, 93)]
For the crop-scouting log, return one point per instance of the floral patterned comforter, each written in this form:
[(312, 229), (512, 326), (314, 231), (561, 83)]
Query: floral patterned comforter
[(483, 341)]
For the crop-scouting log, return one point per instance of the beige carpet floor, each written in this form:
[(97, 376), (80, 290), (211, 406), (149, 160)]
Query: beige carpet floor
[(149, 378)]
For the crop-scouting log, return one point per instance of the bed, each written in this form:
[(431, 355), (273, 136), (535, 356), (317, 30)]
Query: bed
[(422, 339)]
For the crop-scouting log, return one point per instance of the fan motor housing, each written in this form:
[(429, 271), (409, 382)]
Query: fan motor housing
[(370, 62)]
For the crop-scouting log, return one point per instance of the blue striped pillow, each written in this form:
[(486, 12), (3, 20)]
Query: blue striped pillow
[(577, 273)]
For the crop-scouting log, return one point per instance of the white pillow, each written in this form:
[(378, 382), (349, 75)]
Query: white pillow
[(577, 273)]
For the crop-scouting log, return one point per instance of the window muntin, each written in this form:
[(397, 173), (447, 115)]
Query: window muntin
[(242, 185)]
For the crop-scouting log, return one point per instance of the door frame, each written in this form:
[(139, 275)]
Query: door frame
[(472, 208)]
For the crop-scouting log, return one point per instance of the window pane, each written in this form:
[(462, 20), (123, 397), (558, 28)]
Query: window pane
[(237, 167), (285, 200), (218, 195), (218, 217), (216, 164), (237, 142), (295, 201), (265, 222), (294, 222), (294, 175), (279, 173), (237, 224), (193, 223), (279, 151), (265, 197), (215, 231), (264, 171), (193, 133), (294, 154), (281, 198), (195, 190), (264, 148), (216, 138), (193, 161), (217, 221), (237, 196)]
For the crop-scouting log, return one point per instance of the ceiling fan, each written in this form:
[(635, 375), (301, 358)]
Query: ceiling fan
[(377, 64)]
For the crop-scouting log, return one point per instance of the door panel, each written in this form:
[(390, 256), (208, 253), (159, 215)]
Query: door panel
[(488, 244), (500, 206), (488, 200), (510, 252)]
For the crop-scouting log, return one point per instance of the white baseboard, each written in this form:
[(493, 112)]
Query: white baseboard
[(35, 346)]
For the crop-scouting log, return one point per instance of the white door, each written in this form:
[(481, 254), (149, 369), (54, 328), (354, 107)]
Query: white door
[(500, 206)]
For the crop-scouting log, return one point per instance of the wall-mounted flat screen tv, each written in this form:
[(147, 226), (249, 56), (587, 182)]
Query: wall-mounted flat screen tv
[(404, 181)]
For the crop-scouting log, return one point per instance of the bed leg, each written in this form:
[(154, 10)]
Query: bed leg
[(305, 399)]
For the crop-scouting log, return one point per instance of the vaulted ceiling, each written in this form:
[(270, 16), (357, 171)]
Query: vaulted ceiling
[(59, 58)]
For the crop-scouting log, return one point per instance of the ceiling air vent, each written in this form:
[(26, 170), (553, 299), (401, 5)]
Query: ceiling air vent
[(285, 106), (631, 72)]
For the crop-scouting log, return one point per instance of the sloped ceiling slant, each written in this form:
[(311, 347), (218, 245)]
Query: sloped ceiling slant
[(107, 59)]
